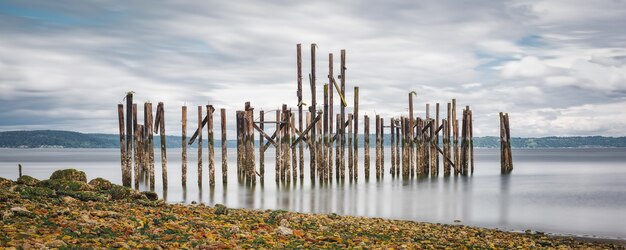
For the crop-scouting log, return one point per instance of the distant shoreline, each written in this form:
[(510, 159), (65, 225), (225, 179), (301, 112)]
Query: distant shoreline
[(69, 139)]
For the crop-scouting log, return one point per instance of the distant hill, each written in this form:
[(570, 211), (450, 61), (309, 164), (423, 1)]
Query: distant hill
[(68, 139)]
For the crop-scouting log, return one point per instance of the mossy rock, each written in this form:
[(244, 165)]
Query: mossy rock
[(150, 195), (69, 175), (221, 209), (66, 185), (118, 192), (86, 195), (100, 184), (5, 183), (35, 192), (28, 180)]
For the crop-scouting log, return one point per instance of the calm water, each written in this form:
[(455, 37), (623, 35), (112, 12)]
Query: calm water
[(562, 191)]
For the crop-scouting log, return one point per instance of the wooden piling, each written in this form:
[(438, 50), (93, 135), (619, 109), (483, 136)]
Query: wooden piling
[(120, 114), (184, 146), (366, 145), (420, 159), (397, 146), (199, 146), (19, 168), (313, 109), (287, 143), (311, 150), (126, 177), (356, 132), (436, 142), (330, 115), (350, 149), (447, 166), (318, 149), (325, 137), (506, 162), (392, 170), (294, 159), (211, 144), (405, 161), (250, 158), (161, 127), (411, 135), (261, 145), (455, 137), (378, 146), (382, 147), (338, 167), (300, 104), (279, 173), (149, 122), (224, 147), (343, 112), (136, 155), (471, 141)]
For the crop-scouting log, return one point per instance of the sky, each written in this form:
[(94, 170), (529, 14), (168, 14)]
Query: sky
[(558, 67)]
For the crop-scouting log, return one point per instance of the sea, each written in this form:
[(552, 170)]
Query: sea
[(570, 191)]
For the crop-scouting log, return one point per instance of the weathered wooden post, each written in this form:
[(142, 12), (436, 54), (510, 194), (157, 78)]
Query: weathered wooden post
[(149, 121), (343, 112), (287, 143), (160, 126), (405, 161), (340, 171), (421, 160), (126, 177), (224, 147), (310, 142), (411, 142), (120, 114), (325, 139), (199, 146), (382, 147), (446, 171), (471, 140), (350, 149), (506, 163), (436, 141), (211, 142), (312, 109), (397, 146), (19, 167), (378, 146), (184, 146), (136, 155), (279, 173), (239, 127), (356, 132), (455, 135), (318, 148), (300, 104), (366, 145), (331, 139), (250, 159), (392, 171), (261, 146), (294, 159)]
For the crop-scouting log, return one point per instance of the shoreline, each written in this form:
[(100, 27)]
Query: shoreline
[(66, 212)]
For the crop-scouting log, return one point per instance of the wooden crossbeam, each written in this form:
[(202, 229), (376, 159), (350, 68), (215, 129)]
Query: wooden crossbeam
[(264, 134), (317, 118), (444, 156), (337, 134), (267, 144), (195, 134)]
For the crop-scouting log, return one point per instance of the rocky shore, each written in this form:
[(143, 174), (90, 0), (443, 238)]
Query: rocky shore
[(66, 211)]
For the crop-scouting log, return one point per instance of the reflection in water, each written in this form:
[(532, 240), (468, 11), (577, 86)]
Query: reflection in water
[(562, 191)]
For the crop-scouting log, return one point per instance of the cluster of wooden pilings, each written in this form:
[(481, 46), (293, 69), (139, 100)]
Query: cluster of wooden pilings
[(137, 142), (506, 158), (419, 145)]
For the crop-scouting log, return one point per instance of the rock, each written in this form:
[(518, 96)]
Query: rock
[(284, 223), (221, 209), (56, 244), (100, 184), (35, 192), (69, 199), (5, 183), (85, 217), (69, 175), (150, 195), (284, 230), (118, 192), (27, 180), (20, 211), (109, 214), (66, 185), (87, 195)]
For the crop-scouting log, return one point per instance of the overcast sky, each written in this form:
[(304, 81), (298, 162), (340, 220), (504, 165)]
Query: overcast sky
[(557, 67)]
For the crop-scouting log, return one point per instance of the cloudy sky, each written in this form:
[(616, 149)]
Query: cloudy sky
[(557, 67)]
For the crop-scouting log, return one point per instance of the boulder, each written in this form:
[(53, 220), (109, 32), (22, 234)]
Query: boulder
[(221, 209), (27, 180), (69, 175), (65, 185), (150, 195), (100, 184)]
